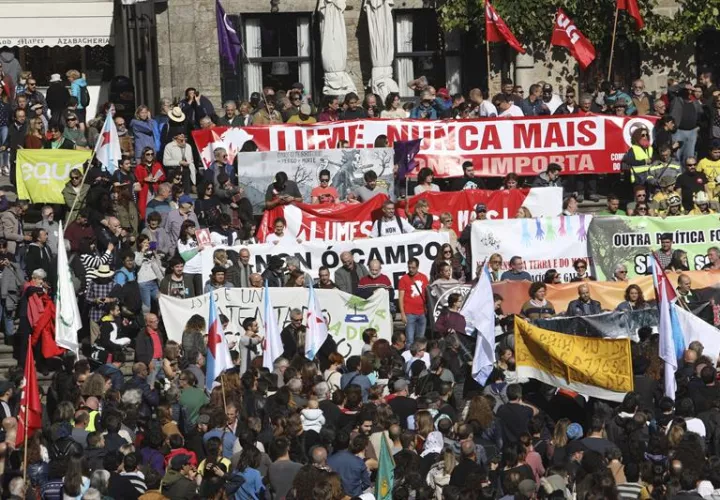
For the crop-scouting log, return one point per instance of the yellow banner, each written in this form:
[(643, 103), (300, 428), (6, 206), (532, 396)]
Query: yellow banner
[(41, 174), (596, 367)]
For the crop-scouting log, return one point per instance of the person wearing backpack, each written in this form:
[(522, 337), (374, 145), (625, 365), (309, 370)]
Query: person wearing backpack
[(390, 223), (79, 90)]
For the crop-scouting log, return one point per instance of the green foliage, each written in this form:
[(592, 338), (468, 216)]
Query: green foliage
[(531, 22)]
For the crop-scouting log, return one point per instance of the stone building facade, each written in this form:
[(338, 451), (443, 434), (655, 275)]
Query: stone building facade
[(281, 39)]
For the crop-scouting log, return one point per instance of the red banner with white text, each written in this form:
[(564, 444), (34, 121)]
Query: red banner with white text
[(340, 222), (349, 221), (589, 144)]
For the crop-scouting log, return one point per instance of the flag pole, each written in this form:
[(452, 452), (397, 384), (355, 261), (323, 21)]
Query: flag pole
[(487, 54), (612, 43), (87, 169), (25, 429), (222, 387)]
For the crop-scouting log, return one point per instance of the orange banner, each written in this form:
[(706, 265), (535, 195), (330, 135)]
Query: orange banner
[(608, 293)]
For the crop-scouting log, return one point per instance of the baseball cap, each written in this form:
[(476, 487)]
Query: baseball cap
[(305, 109), (186, 198), (575, 446), (480, 207), (179, 461), (547, 88), (443, 92), (204, 419)]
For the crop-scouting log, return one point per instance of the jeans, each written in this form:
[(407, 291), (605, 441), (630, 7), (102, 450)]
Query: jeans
[(157, 372), (7, 321), (5, 155), (688, 139), (148, 292), (415, 327)]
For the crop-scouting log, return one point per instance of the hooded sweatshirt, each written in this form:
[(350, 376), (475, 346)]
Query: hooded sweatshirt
[(176, 486), (312, 419), (11, 66)]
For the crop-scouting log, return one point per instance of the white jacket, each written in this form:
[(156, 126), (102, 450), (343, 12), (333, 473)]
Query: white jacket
[(174, 155), (312, 419)]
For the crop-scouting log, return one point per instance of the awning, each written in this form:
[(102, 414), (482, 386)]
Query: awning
[(56, 24)]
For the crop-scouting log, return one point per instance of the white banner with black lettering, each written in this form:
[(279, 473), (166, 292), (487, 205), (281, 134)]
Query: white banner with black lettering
[(393, 251), (347, 315), (543, 243)]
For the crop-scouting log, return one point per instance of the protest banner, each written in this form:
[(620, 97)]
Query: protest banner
[(326, 222), (393, 251), (630, 240), (589, 144), (347, 315), (705, 284), (256, 171), (612, 324), (596, 367), (544, 243), (41, 174), (502, 204)]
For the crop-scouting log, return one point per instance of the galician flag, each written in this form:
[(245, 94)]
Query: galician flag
[(218, 354), (67, 313), (317, 330), (672, 341), (479, 312), (386, 472), (272, 345), (107, 147)]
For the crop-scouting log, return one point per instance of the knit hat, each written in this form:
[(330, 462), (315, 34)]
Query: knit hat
[(574, 431)]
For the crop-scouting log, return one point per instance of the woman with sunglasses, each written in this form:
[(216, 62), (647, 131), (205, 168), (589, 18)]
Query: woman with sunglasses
[(149, 174), (191, 252), (446, 256), (73, 131), (35, 134), (324, 193), (581, 268)]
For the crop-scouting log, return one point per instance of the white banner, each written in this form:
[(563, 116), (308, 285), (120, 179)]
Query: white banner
[(543, 243), (256, 171), (393, 251), (347, 316)]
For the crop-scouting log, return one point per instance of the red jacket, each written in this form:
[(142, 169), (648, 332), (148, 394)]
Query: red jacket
[(181, 451)]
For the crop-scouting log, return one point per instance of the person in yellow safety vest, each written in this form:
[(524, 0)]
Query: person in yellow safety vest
[(667, 189), (664, 166), (702, 204), (92, 405), (639, 157), (674, 206)]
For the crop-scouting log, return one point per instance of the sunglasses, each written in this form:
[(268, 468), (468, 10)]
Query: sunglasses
[(324, 180), (582, 267), (691, 164), (149, 154), (622, 272), (447, 251)]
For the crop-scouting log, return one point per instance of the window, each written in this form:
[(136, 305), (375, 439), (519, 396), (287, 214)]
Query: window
[(276, 55), (96, 62), (421, 50)]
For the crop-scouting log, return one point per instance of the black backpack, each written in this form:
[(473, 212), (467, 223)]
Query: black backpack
[(84, 96)]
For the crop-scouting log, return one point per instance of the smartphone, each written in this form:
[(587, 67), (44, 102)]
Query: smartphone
[(153, 245)]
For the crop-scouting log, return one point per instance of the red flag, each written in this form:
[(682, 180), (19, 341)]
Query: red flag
[(565, 34), (30, 401), (497, 30), (632, 8)]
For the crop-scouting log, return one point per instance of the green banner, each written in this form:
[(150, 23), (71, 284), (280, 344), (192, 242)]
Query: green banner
[(41, 174), (617, 240)]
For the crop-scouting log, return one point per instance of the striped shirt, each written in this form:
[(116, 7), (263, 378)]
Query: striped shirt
[(137, 479), (629, 491)]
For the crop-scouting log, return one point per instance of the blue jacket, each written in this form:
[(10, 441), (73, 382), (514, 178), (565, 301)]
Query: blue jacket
[(420, 110), (114, 374), (146, 134), (356, 378), (352, 470), (226, 436), (75, 90)]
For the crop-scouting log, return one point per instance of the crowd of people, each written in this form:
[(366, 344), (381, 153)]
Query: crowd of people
[(314, 429)]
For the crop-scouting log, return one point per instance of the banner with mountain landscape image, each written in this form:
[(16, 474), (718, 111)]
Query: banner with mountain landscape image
[(630, 240), (347, 315), (256, 171), (543, 243), (614, 324)]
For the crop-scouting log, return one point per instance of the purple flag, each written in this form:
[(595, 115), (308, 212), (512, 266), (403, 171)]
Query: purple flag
[(405, 152), (227, 36)]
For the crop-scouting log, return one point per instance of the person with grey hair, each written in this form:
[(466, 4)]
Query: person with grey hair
[(322, 391), (100, 480), (281, 364), (585, 104), (348, 276), (178, 156), (231, 118), (295, 385), (620, 273), (293, 264), (50, 225), (293, 335), (319, 456), (416, 352), (696, 346), (92, 494), (17, 487)]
